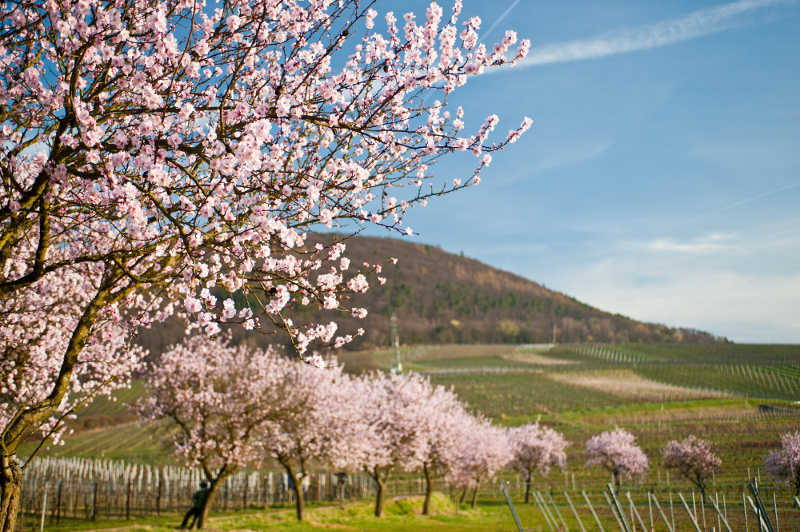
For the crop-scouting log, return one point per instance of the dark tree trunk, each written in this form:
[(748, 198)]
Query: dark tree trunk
[(463, 496), (297, 487), (212, 491), (528, 489), (10, 490), (616, 482), (426, 506), (380, 479), (474, 495)]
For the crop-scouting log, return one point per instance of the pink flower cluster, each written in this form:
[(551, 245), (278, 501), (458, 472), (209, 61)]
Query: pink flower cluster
[(537, 448), (175, 149), (616, 450), (693, 459), (784, 463)]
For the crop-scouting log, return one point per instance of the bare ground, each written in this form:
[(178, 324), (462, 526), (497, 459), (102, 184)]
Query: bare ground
[(627, 384)]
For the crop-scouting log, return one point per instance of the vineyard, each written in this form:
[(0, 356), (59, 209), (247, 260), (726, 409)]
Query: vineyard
[(741, 398)]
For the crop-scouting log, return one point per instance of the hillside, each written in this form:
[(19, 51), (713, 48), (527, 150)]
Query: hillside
[(441, 297)]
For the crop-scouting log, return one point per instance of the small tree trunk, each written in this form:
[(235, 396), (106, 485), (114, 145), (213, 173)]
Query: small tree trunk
[(380, 480), (616, 482), (463, 496), (528, 489), (475, 495), (298, 490), (10, 490), (426, 506), (212, 491)]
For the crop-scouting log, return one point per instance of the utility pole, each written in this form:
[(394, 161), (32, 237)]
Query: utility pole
[(554, 333), (397, 366)]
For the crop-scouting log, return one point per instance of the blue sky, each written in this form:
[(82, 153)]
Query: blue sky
[(661, 177)]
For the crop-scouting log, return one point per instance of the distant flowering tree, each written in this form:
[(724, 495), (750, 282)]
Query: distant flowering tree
[(439, 418), (394, 438), (536, 448), (309, 420), (616, 450), (784, 463), (483, 450), (693, 459), (213, 393), (175, 151)]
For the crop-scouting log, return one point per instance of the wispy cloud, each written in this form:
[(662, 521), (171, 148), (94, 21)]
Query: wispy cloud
[(712, 243), (696, 24)]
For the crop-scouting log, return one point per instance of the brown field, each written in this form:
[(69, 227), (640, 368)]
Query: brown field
[(629, 385), (534, 354)]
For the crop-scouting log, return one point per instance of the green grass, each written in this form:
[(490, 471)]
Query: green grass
[(400, 514)]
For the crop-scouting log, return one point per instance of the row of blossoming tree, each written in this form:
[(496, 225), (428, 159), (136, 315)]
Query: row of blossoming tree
[(157, 153), (235, 407)]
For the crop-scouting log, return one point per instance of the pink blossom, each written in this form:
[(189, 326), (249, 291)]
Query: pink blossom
[(784, 463), (616, 450)]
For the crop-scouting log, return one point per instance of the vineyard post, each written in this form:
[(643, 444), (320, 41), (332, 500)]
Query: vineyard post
[(702, 508), (671, 511), (622, 525), (551, 521), (724, 506), (671, 527), (591, 509), (650, 511), (574, 512), (44, 509), (720, 517), (128, 500), (744, 509), (775, 509), (549, 496), (158, 493), (94, 502), (692, 516), (58, 502), (244, 495), (618, 506), (635, 512)]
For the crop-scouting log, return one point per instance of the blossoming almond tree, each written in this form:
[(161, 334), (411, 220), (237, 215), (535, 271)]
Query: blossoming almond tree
[(310, 419), (395, 437), (693, 459), (536, 448), (440, 418), (35, 322), (214, 392), (784, 463), (482, 451), (173, 149), (616, 450)]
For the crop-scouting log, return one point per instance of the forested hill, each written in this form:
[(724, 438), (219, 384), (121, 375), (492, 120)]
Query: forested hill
[(441, 297)]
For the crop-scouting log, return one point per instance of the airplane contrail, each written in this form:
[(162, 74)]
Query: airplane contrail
[(503, 15), (691, 26)]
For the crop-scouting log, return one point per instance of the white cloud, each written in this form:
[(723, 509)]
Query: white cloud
[(743, 307), (692, 26), (711, 243)]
